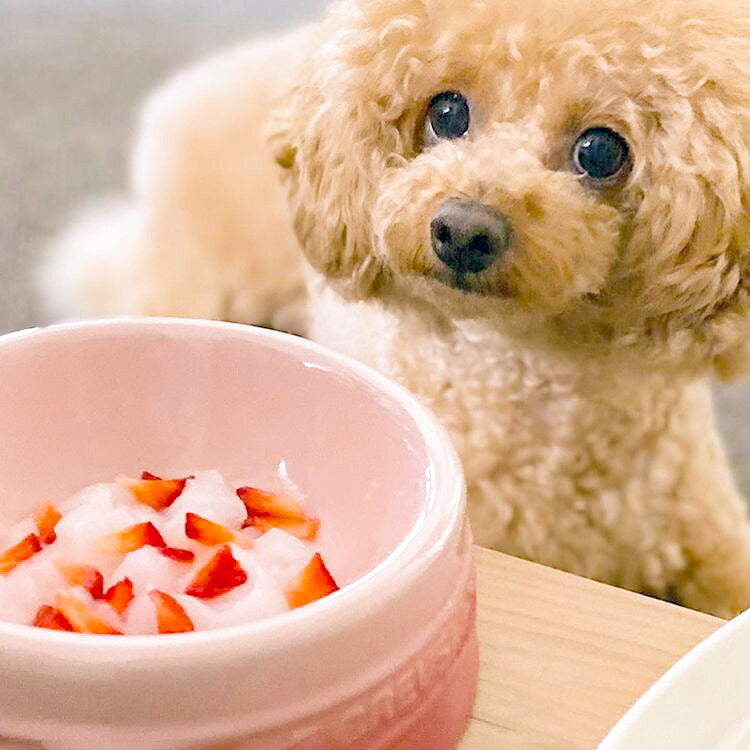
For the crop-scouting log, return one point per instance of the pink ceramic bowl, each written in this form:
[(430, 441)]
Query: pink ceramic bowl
[(390, 662)]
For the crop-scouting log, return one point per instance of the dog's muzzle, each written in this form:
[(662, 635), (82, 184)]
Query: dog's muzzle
[(468, 236)]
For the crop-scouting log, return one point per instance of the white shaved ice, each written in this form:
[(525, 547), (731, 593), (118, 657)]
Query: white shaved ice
[(271, 563)]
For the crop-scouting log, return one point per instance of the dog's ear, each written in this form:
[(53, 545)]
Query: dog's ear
[(691, 230), (327, 146)]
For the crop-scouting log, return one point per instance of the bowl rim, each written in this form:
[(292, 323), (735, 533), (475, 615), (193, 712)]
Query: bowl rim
[(441, 518)]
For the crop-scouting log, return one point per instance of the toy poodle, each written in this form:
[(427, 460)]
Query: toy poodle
[(533, 215)]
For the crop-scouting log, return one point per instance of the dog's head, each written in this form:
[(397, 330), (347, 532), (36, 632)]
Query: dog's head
[(582, 164)]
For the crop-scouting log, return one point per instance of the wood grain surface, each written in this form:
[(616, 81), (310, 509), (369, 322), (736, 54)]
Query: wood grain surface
[(562, 657)]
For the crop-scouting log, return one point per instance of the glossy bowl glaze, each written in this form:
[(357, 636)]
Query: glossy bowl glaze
[(388, 663)]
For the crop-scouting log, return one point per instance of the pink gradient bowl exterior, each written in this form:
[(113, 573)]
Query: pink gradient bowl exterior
[(388, 663)]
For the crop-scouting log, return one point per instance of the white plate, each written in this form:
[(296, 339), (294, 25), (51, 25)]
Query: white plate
[(701, 703)]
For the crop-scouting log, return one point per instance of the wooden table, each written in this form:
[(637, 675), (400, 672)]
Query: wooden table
[(564, 657)]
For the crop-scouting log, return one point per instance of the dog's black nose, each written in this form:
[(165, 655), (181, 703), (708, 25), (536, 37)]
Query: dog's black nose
[(468, 236)]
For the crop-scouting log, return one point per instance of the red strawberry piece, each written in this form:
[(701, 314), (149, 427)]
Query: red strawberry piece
[(180, 555), (18, 553), (220, 574), (51, 618), (267, 510), (46, 518), (205, 531), (170, 616), (85, 576), (262, 503), (209, 533), (313, 583), (132, 538), (152, 491), (120, 595), (306, 530), (81, 617)]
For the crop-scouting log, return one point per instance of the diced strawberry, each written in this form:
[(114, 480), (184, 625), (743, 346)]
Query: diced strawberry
[(180, 555), (313, 583), (306, 530), (152, 491), (18, 553), (209, 533), (52, 619), (205, 531), (85, 576), (261, 503), (132, 538), (170, 616), (46, 518), (220, 574), (80, 616), (120, 595), (267, 510)]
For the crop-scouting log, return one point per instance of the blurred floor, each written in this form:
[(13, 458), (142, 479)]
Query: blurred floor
[(71, 75)]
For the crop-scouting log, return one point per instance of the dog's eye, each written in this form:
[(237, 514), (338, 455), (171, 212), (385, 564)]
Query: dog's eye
[(600, 154), (448, 117)]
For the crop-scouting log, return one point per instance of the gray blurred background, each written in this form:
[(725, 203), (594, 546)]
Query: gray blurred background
[(71, 75)]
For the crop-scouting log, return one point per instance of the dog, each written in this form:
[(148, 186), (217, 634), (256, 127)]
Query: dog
[(533, 215)]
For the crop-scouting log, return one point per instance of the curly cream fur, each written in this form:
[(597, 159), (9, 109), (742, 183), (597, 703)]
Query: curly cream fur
[(573, 373)]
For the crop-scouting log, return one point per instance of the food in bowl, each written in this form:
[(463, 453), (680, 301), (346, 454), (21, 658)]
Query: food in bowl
[(161, 556), (391, 660)]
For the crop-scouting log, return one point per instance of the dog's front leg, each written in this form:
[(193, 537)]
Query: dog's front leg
[(716, 577), (710, 518)]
